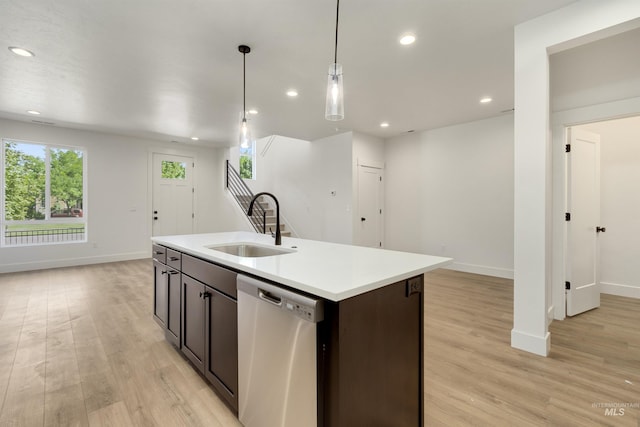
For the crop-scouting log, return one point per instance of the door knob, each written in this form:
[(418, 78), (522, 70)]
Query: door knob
[(601, 229)]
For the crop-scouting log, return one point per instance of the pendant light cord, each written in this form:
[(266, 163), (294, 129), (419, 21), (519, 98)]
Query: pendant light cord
[(335, 56), (244, 85)]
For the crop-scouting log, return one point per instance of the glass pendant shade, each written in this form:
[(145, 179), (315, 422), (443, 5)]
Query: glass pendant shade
[(245, 134), (334, 110)]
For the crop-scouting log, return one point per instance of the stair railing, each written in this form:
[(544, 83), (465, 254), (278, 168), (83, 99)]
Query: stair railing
[(243, 195)]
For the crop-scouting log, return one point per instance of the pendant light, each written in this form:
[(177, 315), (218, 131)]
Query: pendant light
[(334, 110), (245, 133)]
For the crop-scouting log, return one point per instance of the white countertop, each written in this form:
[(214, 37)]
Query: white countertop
[(329, 270)]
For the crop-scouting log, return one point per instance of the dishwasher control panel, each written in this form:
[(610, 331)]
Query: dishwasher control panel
[(305, 307), (301, 310)]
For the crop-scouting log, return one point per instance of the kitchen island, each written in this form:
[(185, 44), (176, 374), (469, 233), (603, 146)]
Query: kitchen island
[(369, 343)]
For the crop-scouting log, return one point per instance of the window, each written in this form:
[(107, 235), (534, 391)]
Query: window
[(174, 170), (43, 195), (248, 161)]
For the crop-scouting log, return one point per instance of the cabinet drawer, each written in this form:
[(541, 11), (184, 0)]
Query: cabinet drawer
[(159, 253), (174, 259), (210, 274)]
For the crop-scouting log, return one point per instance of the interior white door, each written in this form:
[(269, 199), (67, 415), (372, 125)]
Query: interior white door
[(172, 197), (583, 201), (370, 206)]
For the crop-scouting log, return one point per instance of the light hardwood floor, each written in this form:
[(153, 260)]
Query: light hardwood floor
[(78, 346)]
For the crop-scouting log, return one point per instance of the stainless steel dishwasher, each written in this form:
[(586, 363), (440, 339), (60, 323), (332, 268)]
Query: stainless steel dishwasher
[(277, 371)]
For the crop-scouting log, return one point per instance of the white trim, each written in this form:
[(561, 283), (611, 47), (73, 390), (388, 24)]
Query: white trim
[(531, 343), (505, 273), (72, 262), (370, 163), (620, 290)]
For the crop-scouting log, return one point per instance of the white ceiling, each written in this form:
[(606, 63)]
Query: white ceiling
[(170, 69)]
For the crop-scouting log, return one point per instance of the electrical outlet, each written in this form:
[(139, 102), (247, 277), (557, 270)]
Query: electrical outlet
[(414, 286)]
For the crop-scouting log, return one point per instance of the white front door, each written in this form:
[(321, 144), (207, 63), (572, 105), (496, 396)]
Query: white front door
[(370, 206), (583, 201), (172, 198)]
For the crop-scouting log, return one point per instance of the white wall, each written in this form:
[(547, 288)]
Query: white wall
[(620, 205), (596, 73), (119, 205), (534, 247), (302, 175), (449, 192)]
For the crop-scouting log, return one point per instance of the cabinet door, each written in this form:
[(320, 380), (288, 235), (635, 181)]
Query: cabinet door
[(173, 321), (222, 345), (193, 320), (160, 293)]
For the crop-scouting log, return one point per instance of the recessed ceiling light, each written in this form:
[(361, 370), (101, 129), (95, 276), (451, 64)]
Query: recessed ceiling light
[(20, 51), (194, 138), (406, 39), (384, 125), (486, 100), (253, 111), (292, 93), (34, 112)]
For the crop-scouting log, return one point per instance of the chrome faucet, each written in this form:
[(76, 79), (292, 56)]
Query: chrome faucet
[(250, 212)]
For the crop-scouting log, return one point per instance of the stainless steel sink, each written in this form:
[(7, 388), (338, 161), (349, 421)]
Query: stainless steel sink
[(250, 250)]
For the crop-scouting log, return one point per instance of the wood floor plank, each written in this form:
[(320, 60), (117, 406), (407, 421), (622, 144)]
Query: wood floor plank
[(24, 399), (65, 407), (114, 415)]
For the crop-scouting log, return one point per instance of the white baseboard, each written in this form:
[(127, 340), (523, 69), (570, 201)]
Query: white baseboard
[(533, 344), (620, 290), (71, 262), (481, 269)]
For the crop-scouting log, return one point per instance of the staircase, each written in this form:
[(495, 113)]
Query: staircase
[(263, 219)]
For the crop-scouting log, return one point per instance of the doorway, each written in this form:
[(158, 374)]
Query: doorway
[(583, 219), (172, 195), (370, 201), (617, 248)]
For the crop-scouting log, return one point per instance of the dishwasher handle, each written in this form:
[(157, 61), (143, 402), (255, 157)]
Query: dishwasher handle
[(269, 297)]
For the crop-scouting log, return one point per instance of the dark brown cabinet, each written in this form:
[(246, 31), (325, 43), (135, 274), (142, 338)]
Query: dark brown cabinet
[(166, 283), (173, 321), (221, 367), (371, 358), (210, 324), (160, 293), (193, 320)]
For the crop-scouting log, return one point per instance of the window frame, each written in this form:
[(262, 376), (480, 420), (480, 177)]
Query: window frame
[(4, 222)]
